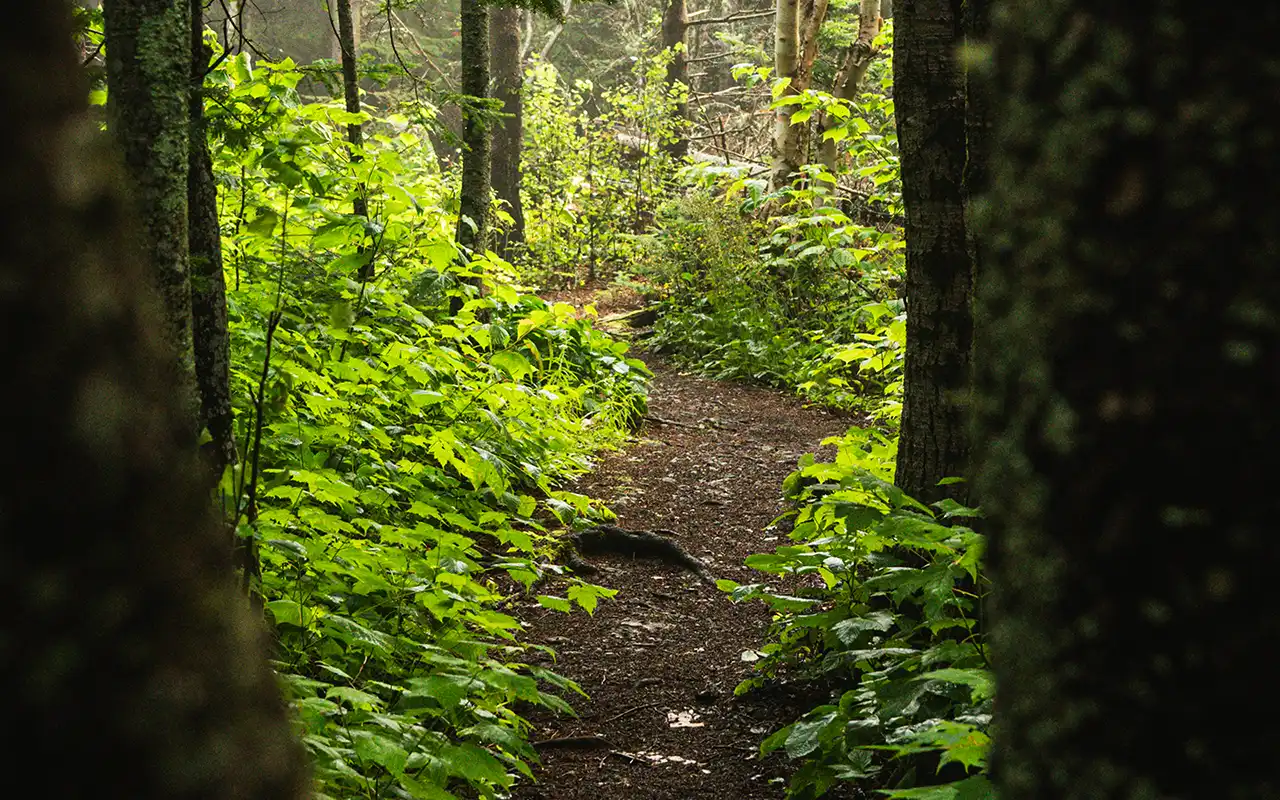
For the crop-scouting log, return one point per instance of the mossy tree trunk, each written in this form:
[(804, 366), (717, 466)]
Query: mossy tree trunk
[(675, 24), (1129, 386), (348, 42), (508, 138), (853, 70), (929, 105), (473, 213), (211, 341), (149, 85), (128, 655)]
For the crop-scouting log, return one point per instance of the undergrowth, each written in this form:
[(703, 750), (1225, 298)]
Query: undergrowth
[(402, 437)]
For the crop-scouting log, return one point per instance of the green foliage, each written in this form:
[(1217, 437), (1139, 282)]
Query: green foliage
[(796, 288), (889, 617), (399, 459), (594, 168)]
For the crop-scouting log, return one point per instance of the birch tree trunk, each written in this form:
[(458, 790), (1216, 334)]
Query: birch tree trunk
[(786, 58)]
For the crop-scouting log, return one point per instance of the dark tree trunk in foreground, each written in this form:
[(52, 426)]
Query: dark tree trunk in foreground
[(473, 213), (929, 104), (1130, 381), (675, 22), (149, 79), (128, 656), (211, 341), (508, 138)]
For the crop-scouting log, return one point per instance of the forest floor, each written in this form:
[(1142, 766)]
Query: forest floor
[(661, 660)]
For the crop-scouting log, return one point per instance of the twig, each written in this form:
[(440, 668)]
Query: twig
[(631, 711), (676, 423), (574, 741)]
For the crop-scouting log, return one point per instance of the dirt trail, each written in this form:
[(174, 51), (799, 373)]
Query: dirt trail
[(661, 661)]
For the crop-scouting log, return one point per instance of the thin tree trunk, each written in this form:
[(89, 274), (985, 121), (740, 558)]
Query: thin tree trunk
[(857, 61), (554, 36), (1130, 376), (473, 215), (675, 22), (786, 55), (929, 104), (128, 654), (148, 77), (795, 51), (211, 341), (508, 138), (351, 96)]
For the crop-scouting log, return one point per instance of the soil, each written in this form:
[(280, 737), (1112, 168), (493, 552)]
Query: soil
[(661, 660)]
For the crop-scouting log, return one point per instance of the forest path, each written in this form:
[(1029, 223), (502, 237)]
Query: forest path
[(661, 660)]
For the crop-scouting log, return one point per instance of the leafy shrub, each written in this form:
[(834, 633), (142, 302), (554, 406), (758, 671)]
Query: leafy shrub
[(888, 615), (402, 436)]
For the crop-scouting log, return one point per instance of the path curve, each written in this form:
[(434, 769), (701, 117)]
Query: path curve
[(661, 661)]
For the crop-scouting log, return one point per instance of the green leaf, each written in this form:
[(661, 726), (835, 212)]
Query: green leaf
[(514, 364), (555, 603), (380, 750)]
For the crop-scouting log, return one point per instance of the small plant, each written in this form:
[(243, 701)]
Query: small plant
[(889, 618)]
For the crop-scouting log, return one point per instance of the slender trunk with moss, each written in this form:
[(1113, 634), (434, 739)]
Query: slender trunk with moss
[(929, 105), (347, 43), (853, 70), (149, 86), (211, 341), (796, 29), (473, 214), (508, 137), (1129, 361), (127, 652), (675, 23)]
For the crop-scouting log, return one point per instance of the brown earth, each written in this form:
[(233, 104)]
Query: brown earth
[(660, 661)]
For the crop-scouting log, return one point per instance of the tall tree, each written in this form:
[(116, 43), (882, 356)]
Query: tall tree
[(127, 652), (857, 60), (508, 136), (675, 23), (1130, 375), (211, 341), (347, 45), (473, 201), (929, 105), (796, 27), (149, 81)]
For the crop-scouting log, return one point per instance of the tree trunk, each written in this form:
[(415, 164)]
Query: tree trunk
[(929, 103), (786, 57), (508, 139), (127, 652), (675, 22), (347, 43), (211, 342), (795, 50), (1130, 376), (473, 213), (149, 77), (853, 70)]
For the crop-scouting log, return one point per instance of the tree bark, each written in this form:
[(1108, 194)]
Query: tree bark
[(929, 104), (508, 138), (127, 652), (473, 202), (148, 78), (211, 341), (853, 70), (795, 50), (347, 43), (1130, 376), (786, 57), (675, 22)]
